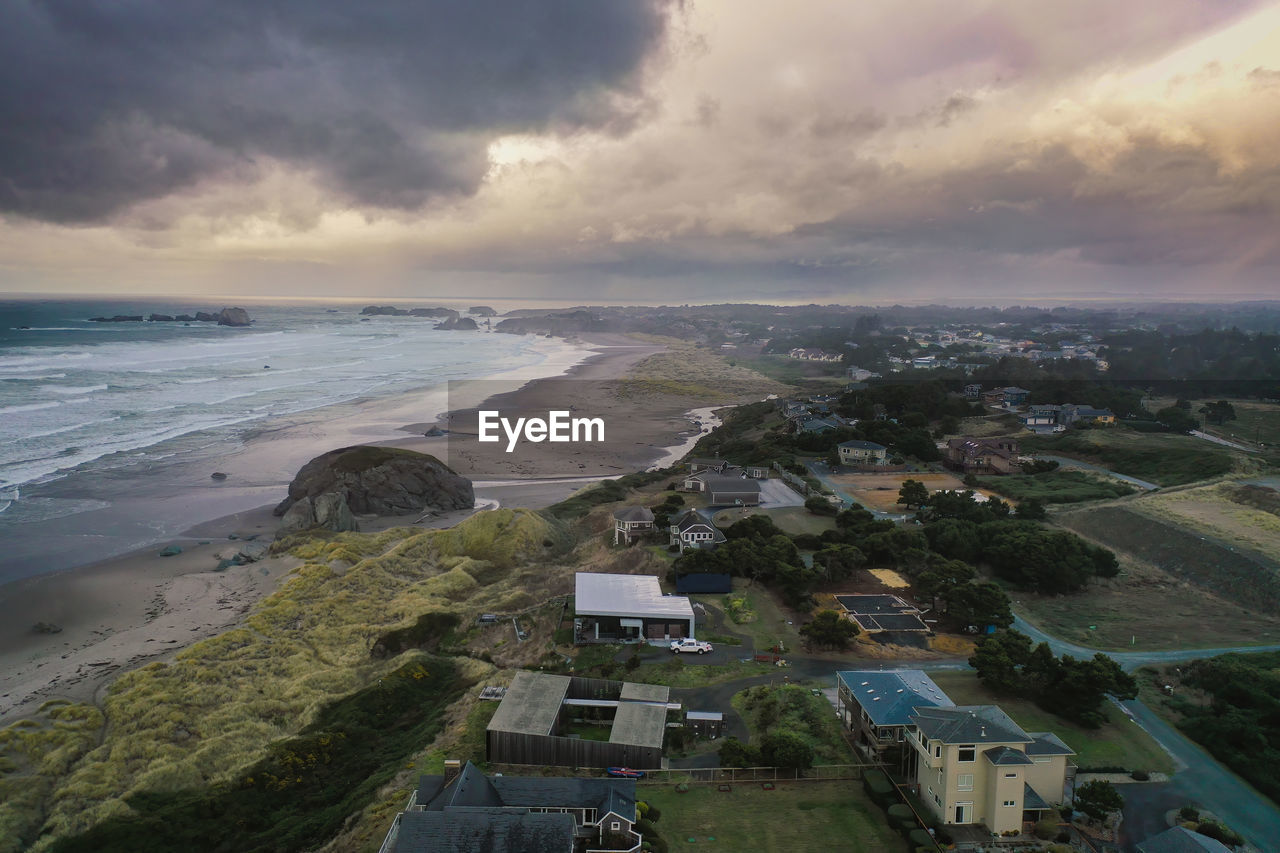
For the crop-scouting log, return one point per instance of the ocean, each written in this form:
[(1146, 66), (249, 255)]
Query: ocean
[(89, 411)]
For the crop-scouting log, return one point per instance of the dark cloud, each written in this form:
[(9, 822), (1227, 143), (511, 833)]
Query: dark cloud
[(390, 103)]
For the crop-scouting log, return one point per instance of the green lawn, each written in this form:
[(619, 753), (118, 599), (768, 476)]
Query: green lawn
[(794, 816), (1119, 743), (1057, 487), (765, 620), (1168, 460)]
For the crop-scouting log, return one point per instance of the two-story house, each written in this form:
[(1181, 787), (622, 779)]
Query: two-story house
[(862, 453), (982, 455), (691, 530), (974, 765), (630, 523)]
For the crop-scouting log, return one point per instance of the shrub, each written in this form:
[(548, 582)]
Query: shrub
[(1046, 829), (1189, 813), (1140, 775), (1218, 832)]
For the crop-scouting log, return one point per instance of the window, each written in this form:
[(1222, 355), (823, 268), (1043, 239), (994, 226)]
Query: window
[(615, 826), (964, 782), (1010, 803), (1011, 775), (937, 750), (967, 753)]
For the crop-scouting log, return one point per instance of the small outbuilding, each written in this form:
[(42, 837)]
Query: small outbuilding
[(708, 724)]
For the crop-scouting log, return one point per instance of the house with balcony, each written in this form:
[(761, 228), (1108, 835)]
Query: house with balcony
[(862, 453), (982, 455), (975, 765), (875, 706), (631, 523), (692, 530)]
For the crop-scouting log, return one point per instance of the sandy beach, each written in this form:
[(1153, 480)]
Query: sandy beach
[(113, 615)]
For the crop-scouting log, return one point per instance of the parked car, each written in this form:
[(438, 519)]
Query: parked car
[(688, 644)]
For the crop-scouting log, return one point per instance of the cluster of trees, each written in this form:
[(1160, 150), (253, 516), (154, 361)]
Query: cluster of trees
[(758, 550), (829, 629), (777, 749), (1073, 689), (1019, 550), (1241, 724)]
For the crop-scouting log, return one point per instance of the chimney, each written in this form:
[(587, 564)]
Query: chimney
[(452, 769)]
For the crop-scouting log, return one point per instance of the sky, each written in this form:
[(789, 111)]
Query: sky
[(642, 150)]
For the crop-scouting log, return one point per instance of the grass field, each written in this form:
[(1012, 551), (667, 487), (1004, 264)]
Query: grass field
[(1256, 421), (794, 371), (880, 491), (765, 621), (1240, 515), (794, 520), (1119, 743), (793, 816), (1057, 487), (1219, 567), (1168, 460)]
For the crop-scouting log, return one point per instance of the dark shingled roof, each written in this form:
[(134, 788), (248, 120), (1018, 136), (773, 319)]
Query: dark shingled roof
[(1047, 743), (484, 831), (634, 513), (478, 791), (1006, 756), (724, 483), (969, 724)]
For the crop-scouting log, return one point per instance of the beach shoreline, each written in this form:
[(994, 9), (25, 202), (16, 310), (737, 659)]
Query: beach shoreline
[(128, 610)]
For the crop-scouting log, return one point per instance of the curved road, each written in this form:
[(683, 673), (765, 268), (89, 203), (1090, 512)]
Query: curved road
[(1068, 462), (1200, 778)]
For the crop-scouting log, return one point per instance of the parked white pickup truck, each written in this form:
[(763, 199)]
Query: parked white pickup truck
[(688, 644)]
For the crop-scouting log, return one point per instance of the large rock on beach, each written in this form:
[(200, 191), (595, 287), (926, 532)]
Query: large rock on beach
[(374, 481), (233, 317)]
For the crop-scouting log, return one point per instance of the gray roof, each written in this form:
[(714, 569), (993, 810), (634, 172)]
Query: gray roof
[(969, 724), (634, 513), (692, 518), (1006, 756), (519, 792), (484, 831), (722, 483), (705, 715), (890, 697), (532, 704), (1047, 743), (1032, 800), (639, 724), (632, 692), (862, 445), (1181, 840)]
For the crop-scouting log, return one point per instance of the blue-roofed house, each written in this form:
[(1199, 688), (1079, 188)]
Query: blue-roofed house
[(876, 707)]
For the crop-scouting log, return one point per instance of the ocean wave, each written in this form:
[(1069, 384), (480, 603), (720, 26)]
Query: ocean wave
[(200, 381), (72, 389), (29, 407), (35, 378), (68, 428)]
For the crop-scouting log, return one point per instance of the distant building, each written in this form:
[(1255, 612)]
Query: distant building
[(1073, 414), (972, 391), (982, 455), (858, 374), (631, 523), (862, 453), (814, 354), (473, 813), (628, 608), (815, 424)]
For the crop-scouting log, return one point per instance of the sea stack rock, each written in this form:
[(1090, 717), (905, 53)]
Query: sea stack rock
[(463, 324), (482, 311), (233, 317), (374, 481)]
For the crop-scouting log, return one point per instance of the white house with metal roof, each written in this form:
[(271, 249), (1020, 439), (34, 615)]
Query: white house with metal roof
[(628, 608)]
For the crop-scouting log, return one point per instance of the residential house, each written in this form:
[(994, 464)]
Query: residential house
[(815, 424), (692, 530), (624, 608), (814, 354), (473, 813), (926, 362), (704, 464), (1014, 396), (630, 523), (862, 453), (876, 707), (974, 765), (859, 374), (1072, 414), (972, 391), (982, 455), (728, 490)]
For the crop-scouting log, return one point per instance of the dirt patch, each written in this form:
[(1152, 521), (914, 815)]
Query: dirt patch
[(880, 491), (890, 578)]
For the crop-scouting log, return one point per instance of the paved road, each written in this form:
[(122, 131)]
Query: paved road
[(1198, 434), (1200, 778), (1068, 462)]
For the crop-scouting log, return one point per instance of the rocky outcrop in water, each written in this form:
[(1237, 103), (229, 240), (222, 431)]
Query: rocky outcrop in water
[(119, 318), (370, 480), (482, 311), (233, 317), (460, 324), (392, 311)]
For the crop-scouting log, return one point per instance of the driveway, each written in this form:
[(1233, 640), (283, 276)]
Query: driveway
[(775, 493), (1198, 434)]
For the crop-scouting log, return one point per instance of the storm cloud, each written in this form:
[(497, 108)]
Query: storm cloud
[(388, 104)]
